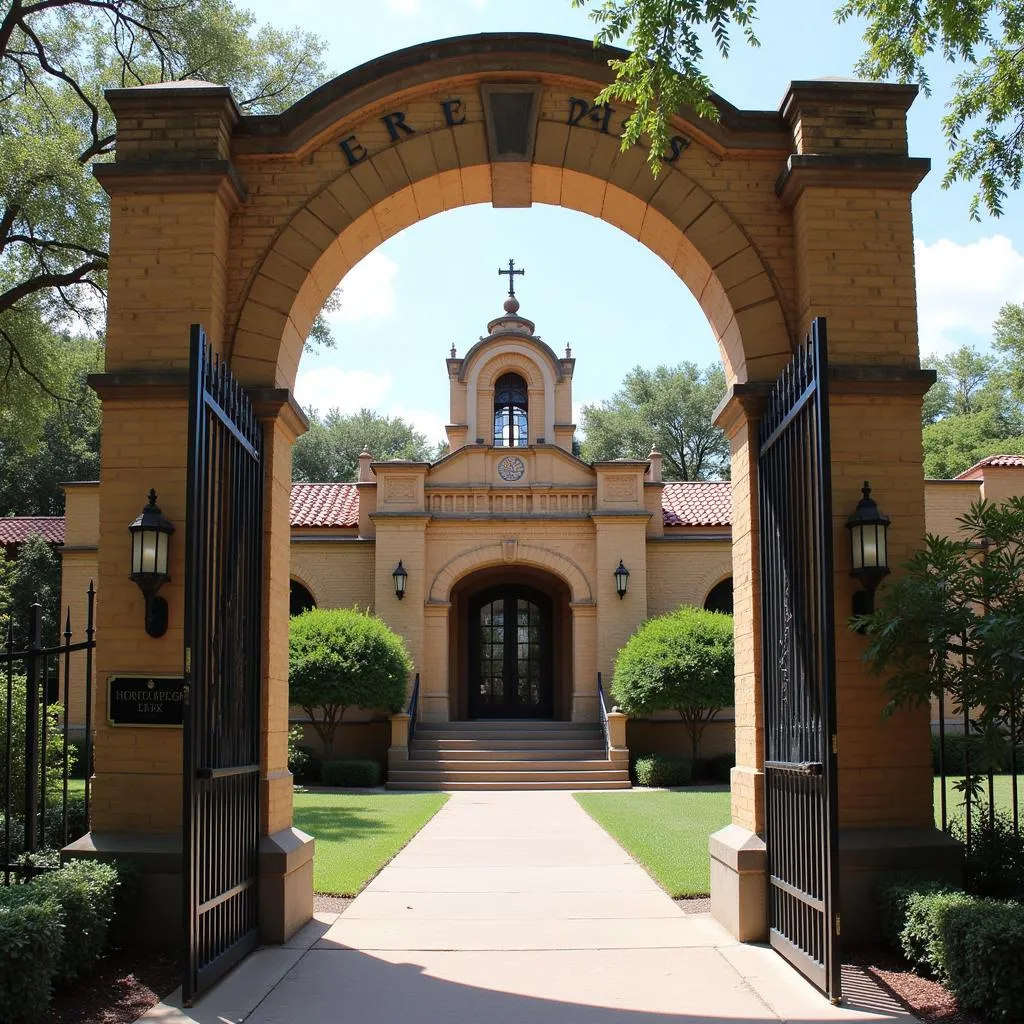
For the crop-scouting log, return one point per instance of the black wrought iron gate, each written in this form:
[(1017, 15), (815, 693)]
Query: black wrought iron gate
[(223, 611), (798, 666)]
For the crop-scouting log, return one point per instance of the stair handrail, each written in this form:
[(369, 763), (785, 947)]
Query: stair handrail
[(414, 699), (603, 712)]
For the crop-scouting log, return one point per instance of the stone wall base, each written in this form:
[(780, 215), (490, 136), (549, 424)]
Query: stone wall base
[(869, 857), (286, 884), (156, 910), (739, 882)]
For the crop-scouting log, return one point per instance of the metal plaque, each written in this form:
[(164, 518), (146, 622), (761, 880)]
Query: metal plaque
[(146, 700)]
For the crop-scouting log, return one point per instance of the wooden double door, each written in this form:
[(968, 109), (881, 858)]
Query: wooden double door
[(510, 653)]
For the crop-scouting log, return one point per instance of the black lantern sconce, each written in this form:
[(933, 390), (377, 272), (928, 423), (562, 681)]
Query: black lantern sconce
[(400, 576), (869, 548), (621, 580), (151, 536)]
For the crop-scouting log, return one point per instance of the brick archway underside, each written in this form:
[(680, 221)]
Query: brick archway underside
[(384, 147)]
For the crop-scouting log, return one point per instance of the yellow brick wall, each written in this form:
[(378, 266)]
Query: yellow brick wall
[(684, 571), (945, 501), (339, 574)]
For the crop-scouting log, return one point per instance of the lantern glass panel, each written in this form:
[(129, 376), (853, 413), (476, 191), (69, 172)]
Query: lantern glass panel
[(883, 553), (149, 541), (136, 553), (161, 553), (869, 535), (857, 545)]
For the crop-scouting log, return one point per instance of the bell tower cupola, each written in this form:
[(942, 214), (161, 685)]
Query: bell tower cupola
[(510, 390)]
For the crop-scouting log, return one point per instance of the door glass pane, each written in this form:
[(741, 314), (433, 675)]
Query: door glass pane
[(492, 654)]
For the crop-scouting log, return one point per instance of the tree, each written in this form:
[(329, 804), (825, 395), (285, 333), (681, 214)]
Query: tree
[(1008, 339), (340, 658), (329, 450), (36, 577), (682, 661), (983, 38), (56, 59), (971, 411), (956, 443), (669, 408), (953, 623), (44, 443)]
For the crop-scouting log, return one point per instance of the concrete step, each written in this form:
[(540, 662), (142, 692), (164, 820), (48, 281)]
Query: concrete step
[(521, 724), (436, 735), (514, 754), (446, 764), (519, 784), (502, 743), (399, 775)]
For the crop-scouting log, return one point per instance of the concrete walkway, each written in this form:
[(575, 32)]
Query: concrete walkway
[(510, 908)]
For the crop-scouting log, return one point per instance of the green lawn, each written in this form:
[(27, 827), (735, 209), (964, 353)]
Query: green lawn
[(1002, 791), (76, 786), (666, 832), (358, 833)]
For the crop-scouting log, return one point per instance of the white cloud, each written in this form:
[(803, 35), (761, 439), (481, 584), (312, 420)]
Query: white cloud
[(368, 291), (960, 289), (330, 387), (426, 421)]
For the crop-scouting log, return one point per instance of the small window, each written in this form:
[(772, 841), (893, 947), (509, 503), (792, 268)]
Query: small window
[(299, 599), (720, 597), (510, 412)]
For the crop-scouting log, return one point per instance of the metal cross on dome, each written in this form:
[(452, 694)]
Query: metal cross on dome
[(511, 276)]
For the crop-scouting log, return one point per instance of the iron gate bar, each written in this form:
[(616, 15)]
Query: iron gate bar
[(798, 666), (223, 617)]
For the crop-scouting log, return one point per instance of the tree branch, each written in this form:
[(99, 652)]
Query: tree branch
[(43, 281)]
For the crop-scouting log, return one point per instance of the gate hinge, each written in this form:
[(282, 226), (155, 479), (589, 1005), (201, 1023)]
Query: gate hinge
[(837, 924), (835, 744)]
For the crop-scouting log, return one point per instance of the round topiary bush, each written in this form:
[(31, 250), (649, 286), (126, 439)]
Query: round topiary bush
[(681, 661), (340, 658)]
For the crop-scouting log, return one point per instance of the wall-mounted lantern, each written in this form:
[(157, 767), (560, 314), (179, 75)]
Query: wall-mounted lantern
[(151, 536), (869, 549), (400, 576), (621, 580)]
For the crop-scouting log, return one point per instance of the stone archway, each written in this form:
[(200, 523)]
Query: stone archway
[(247, 223)]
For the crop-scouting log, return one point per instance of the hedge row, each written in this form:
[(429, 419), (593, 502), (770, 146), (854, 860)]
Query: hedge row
[(983, 755), (52, 931), (973, 946), (660, 770)]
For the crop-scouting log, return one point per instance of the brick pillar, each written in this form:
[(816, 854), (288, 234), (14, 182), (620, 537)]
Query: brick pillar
[(738, 856), (286, 853)]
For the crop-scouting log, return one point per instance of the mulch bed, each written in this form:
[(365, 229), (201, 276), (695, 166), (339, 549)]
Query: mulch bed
[(124, 985), (926, 998)]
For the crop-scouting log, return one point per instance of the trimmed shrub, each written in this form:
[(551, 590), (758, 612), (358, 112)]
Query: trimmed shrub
[(995, 867), (86, 891), (983, 949), (340, 658), (30, 942), (353, 772), (661, 771), (892, 905), (923, 936), (682, 661)]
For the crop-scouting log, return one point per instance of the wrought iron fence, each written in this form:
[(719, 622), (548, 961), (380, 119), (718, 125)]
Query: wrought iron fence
[(977, 774), (40, 814)]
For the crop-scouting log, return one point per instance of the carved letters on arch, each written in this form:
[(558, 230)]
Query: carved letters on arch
[(620, 487)]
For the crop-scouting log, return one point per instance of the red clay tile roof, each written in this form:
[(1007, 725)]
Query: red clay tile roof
[(1003, 461), (334, 505), (324, 505), (692, 503), (18, 529)]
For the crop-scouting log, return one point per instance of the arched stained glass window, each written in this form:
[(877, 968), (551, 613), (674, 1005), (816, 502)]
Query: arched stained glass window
[(510, 412)]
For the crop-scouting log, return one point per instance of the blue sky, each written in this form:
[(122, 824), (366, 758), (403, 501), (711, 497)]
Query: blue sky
[(587, 284)]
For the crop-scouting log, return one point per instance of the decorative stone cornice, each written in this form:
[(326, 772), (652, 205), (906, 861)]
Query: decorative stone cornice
[(144, 176), (860, 170)]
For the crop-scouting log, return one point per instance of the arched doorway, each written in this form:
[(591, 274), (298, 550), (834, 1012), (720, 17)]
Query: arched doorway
[(510, 645)]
